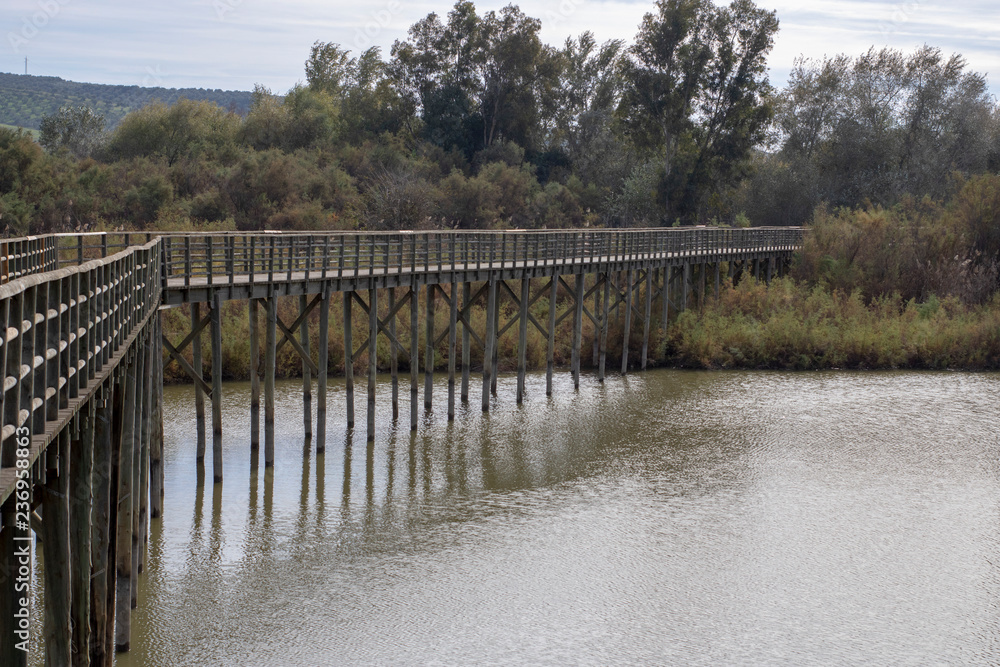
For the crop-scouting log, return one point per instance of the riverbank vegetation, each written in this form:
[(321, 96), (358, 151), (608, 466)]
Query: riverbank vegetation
[(472, 122)]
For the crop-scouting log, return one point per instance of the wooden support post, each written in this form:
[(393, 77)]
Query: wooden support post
[(603, 349), (393, 355), (306, 372), (522, 336), (323, 366), (685, 282), (597, 315), (665, 298), (414, 351), (647, 315), (718, 278), (140, 387), (199, 395), (578, 328), (770, 269), (372, 358), (254, 377), (628, 320), (550, 353), (100, 653), (452, 345), (349, 357), (466, 343), (495, 363), (56, 554), (703, 273), (145, 435), (429, 349), (123, 539), (491, 340), (156, 471), (217, 388), (270, 352)]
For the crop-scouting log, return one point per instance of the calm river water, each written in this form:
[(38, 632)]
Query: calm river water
[(666, 518)]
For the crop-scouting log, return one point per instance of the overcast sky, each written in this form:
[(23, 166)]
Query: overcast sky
[(233, 44)]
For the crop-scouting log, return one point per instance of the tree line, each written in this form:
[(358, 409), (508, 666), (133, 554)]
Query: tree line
[(473, 122)]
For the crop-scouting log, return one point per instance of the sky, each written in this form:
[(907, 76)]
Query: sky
[(234, 44)]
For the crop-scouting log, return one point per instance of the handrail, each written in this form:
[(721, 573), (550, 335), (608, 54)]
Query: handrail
[(61, 332)]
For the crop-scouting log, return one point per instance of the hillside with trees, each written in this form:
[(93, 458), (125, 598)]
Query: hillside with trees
[(26, 100)]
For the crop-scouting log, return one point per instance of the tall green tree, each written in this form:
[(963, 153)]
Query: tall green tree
[(79, 130), (698, 95)]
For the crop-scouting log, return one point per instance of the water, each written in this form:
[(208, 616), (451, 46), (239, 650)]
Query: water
[(675, 518)]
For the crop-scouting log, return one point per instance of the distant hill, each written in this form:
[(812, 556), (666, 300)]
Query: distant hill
[(25, 99)]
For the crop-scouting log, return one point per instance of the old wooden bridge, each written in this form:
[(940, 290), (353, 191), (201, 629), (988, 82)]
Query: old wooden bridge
[(83, 351)]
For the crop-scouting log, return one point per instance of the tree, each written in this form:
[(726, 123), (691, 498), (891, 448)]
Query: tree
[(698, 94), (476, 80), (79, 130)]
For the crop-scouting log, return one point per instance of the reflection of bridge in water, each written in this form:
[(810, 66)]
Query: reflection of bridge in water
[(82, 360)]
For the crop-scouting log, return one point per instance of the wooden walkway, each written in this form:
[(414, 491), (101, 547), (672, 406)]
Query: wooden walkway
[(82, 360)]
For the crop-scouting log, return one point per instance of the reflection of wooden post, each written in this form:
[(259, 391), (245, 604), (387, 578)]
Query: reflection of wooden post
[(324, 363), (56, 553), (254, 377), (306, 372), (199, 396)]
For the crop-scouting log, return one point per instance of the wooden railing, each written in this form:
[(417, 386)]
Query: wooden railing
[(230, 257), (64, 329)]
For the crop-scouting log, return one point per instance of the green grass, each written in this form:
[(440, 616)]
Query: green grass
[(34, 133)]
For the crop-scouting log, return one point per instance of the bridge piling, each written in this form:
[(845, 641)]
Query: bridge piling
[(270, 353), (372, 358), (628, 320), (393, 355), (429, 347), (199, 395), (577, 328), (550, 350), (452, 346), (491, 341), (217, 388), (324, 369), (306, 371), (349, 357), (522, 336), (254, 320), (414, 351)]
